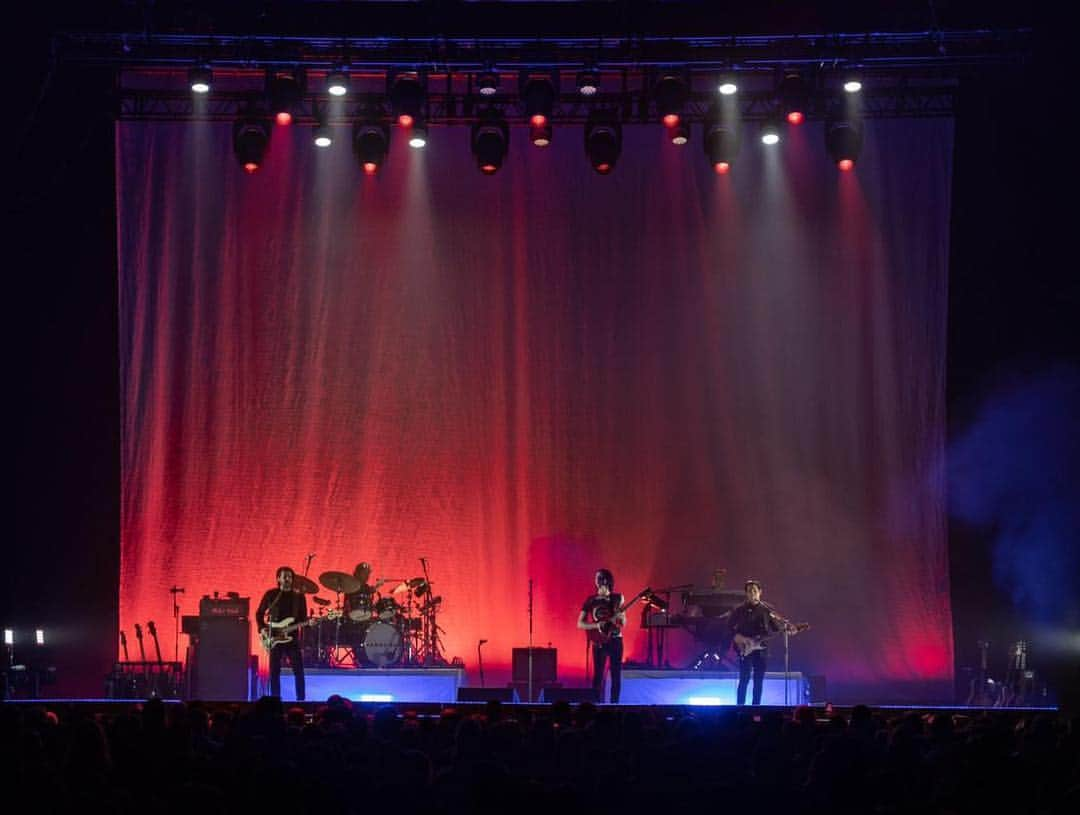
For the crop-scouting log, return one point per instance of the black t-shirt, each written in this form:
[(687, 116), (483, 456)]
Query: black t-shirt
[(599, 609), (752, 621), (281, 604)]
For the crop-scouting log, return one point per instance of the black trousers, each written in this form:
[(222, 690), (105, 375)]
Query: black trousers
[(610, 651), (755, 660), (296, 662)]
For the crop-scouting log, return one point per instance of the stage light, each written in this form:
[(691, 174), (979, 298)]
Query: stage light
[(670, 94), (407, 100), (603, 141), (679, 133), (540, 135), (323, 137), (844, 141), (588, 82), (852, 82), (770, 133), (199, 79), (286, 92), (728, 86), (371, 143), (794, 97), (39, 636), (487, 83), (337, 82), (490, 141), (9, 637), (721, 144), (251, 135), (539, 98), (418, 135)]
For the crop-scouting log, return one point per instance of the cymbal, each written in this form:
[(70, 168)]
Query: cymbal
[(341, 582), (320, 601), (304, 584)]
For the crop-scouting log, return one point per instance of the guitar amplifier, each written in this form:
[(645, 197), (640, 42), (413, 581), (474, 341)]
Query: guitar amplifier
[(224, 606), (543, 665), (220, 659)]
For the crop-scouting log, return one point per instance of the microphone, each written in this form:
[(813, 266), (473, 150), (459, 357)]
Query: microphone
[(311, 556), (482, 641), (176, 590)]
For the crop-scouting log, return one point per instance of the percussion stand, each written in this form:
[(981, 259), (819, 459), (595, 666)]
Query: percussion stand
[(175, 591)]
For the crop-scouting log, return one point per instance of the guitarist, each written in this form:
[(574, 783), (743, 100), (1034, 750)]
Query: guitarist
[(602, 617), (752, 619), (276, 605)]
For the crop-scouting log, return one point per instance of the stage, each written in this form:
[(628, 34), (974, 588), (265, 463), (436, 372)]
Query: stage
[(377, 684), (665, 687)]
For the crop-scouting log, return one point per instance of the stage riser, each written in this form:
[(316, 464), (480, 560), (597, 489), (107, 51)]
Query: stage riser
[(377, 685), (705, 688)]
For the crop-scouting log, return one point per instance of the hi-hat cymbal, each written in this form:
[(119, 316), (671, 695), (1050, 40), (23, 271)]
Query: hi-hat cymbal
[(340, 582), (304, 584), (320, 601)]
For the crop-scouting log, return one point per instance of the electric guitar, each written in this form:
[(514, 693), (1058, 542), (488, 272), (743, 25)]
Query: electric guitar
[(608, 622), (745, 646), (280, 632)]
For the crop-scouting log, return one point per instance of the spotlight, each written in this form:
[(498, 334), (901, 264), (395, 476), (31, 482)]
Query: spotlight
[(721, 145), (199, 78), (487, 83), (794, 96), (844, 141), (407, 100), (418, 135), (603, 141), (588, 82), (371, 143), (251, 135), (679, 133), (727, 86), (337, 82), (39, 636), (540, 135), (490, 140), (670, 93), (9, 637), (323, 138), (286, 91), (852, 82), (770, 133), (539, 98)]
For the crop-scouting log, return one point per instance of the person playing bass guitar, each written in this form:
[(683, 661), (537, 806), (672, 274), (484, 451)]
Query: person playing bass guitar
[(602, 617), (277, 605)]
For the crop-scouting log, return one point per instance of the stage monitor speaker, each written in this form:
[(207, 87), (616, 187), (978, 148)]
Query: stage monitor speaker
[(572, 695), (817, 688), (487, 695), (543, 667), (221, 656)]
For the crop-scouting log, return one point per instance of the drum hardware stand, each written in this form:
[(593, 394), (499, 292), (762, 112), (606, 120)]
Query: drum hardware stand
[(175, 591), (530, 685), (480, 661)]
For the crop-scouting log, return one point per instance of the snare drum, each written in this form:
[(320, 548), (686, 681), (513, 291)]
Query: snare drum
[(382, 644), (358, 607), (386, 609)]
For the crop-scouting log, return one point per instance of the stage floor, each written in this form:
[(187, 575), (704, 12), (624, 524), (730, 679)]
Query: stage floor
[(377, 684)]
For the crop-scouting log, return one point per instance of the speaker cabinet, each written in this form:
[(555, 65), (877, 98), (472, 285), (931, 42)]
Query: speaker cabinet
[(487, 695), (572, 695), (220, 670), (543, 665)]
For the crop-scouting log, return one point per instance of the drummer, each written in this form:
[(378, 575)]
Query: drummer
[(360, 603)]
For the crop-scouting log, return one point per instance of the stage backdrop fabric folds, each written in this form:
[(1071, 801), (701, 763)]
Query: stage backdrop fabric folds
[(663, 371)]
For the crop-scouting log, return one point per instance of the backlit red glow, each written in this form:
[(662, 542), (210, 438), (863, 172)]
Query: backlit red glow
[(284, 118), (251, 166), (405, 120), (722, 167), (489, 168), (603, 167), (539, 120), (671, 119), (370, 167), (795, 117), (845, 164)]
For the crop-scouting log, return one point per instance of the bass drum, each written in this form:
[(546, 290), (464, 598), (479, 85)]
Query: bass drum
[(382, 644)]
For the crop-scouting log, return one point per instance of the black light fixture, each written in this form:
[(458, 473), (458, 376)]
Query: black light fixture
[(538, 94), (337, 81), (371, 143), (794, 96), (721, 141), (588, 82), (770, 132), (844, 140), (200, 78), (251, 135), (487, 83), (285, 89), (670, 94), (679, 133), (490, 141), (407, 96), (603, 141)]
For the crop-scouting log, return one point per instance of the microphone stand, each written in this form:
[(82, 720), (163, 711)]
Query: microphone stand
[(530, 686), (175, 591), (480, 660)]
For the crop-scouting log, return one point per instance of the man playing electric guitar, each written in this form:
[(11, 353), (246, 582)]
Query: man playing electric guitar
[(277, 605), (751, 623), (602, 618)]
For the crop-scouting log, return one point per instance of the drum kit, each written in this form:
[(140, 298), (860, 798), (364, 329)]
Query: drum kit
[(392, 623)]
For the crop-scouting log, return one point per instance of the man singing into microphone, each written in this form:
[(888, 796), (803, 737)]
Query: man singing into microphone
[(601, 619), (277, 605)]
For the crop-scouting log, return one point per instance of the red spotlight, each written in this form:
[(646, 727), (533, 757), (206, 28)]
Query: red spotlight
[(796, 117), (722, 167), (539, 120), (845, 164), (284, 118), (603, 168), (251, 167), (405, 120), (370, 168), (671, 119), (488, 169)]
